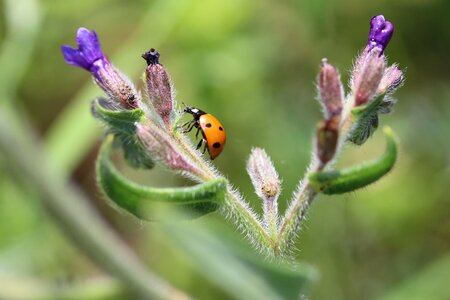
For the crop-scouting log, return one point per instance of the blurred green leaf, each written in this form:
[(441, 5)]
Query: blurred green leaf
[(241, 272), (356, 177), (431, 283), (18, 43), (141, 201), (12, 288)]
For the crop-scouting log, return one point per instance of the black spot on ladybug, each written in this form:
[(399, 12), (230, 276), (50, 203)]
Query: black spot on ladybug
[(208, 125), (216, 145), (220, 128)]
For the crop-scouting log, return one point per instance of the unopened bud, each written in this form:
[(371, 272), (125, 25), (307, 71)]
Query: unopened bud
[(330, 89), (162, 148), (368, 79), (263, 175), (159, 87), (327, 138), (392, 79)]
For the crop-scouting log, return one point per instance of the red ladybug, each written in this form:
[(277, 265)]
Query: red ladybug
[(212, 131)]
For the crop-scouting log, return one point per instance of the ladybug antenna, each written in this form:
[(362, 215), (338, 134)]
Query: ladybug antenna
[(151, 57)]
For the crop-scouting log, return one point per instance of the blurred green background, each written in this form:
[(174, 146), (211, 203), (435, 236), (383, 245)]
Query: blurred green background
[(253, 65)]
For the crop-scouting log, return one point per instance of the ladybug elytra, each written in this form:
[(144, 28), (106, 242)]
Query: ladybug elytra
[(212, 130)]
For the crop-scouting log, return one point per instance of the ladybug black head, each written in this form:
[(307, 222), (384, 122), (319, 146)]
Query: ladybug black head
[(193, 110), (151, 57)]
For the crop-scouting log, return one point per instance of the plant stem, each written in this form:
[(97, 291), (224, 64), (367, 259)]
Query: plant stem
[(235, 207), (290, 224), (304, 196), (271, 218), (76, 217)]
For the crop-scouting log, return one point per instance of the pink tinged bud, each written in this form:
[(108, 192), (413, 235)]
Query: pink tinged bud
[(159, 87), (326, 139), (369, 77), (263, 175), (330, 89), (392, 79), (117, 86), (164, 149), (359, 62)]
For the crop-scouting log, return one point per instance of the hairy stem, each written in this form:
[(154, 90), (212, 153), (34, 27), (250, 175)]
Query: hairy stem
[(304, 195), (235, 207), (290, 224), (271, 218)]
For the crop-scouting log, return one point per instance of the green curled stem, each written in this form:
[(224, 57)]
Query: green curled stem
[(137, 200), (356, 177)]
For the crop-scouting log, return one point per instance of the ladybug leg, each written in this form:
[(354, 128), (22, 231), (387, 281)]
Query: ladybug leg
[(185, 124), (205, 147), (196, 134), (199, 145), (189, 126)]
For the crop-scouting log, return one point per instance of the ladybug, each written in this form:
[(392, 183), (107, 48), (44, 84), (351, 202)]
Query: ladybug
[(212, 130)]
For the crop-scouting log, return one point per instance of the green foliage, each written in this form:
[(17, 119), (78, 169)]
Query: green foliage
[(429, 283), (119, 121), (353, 178), (141, 201), (122, 124), (225, 260), (367, 118)]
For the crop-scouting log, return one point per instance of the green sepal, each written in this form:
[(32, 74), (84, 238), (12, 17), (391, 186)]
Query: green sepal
[(118, 119), (145, 202), (367, 118), (134, 152), (121, 123), (353, 178)]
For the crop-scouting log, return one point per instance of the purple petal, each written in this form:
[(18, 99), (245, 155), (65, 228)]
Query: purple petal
[(74, 57), (89, 45), (380, 32)]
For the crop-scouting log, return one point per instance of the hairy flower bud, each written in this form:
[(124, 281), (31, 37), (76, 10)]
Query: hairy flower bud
[(380, 33), (392, 79), (159, 87), (263, 175), (327, 138), (330, 89), (368, 78), (267, 186), (90, 57), (163, 149)]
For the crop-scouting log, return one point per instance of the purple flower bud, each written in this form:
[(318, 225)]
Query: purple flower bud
[(326, 139), (392, 79), (159, 87), (380, 33), (90, 57), (367, 79), (330, 89)]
